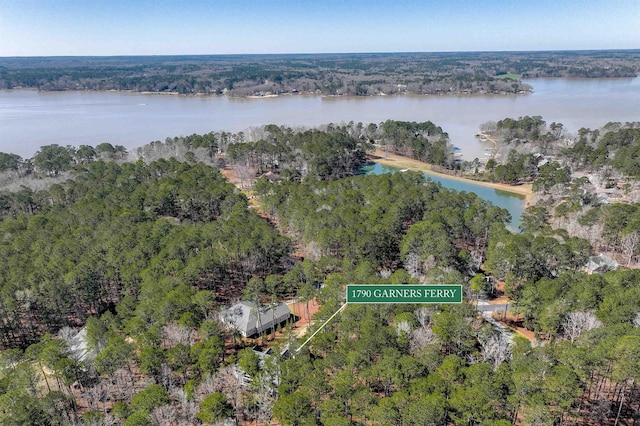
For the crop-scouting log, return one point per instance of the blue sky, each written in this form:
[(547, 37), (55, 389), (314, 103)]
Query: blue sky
[(144, 27)]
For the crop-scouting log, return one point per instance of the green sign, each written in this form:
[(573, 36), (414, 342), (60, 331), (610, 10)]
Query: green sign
[(360, 293)]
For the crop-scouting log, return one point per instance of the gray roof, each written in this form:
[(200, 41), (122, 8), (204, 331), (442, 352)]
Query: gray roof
[(243, 317), (79, 346), (601, 263)]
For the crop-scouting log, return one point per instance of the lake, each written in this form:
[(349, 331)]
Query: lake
[(30, 119), (511, 202)]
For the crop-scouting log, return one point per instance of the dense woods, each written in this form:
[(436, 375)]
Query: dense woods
[(329, 74), (383, 220), (142, 255), (616, 146), (134, 230), (435, 366), (586, 184)]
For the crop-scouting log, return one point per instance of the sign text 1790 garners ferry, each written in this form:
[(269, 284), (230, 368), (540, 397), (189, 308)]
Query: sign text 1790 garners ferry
[(363, 293)]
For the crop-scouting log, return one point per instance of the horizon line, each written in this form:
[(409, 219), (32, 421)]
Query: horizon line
[(319, 53)]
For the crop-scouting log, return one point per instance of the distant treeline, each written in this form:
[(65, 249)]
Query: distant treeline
[(329, 74)]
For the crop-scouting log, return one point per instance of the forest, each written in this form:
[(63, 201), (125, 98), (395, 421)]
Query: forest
[(136, 259), (586, 184), (353, 74)]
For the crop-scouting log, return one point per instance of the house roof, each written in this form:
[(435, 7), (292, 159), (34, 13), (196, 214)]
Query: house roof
[(79, 346), (243, 317), (601, 263)]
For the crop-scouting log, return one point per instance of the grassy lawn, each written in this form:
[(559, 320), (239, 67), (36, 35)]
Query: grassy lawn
[(508, 76)]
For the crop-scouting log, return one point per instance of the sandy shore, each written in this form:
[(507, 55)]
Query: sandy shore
[(272, 95), (400, 162)]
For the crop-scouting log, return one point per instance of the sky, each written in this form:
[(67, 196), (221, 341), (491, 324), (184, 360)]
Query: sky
[(160, 27)]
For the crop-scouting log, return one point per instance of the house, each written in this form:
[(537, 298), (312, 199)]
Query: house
[(243, 317), (79, 347), (540, 159), (600, 264), (272, 177)]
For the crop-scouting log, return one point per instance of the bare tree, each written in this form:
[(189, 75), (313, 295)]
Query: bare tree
[(97, 396), (212, 383), (243, 173), (413, 264), (424, 316), (263, 391), (165, 377), (630, 244), (188, 408), (175, 334), (164, 415), (577, 323), (122, 380), (423, 335), (226, 381), (254, 134), (496, 349), (488, 126)]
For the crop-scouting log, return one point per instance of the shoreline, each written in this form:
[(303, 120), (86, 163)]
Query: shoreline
[(400, 162), (271, 95)]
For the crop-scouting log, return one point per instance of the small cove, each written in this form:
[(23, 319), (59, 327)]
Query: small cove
[(515, 204)]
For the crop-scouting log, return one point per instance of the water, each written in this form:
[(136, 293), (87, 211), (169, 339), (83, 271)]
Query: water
[(30, 119), (513, 203)]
